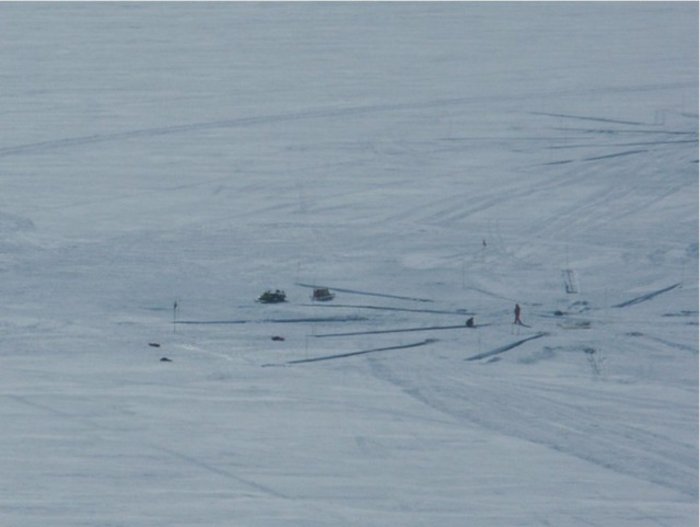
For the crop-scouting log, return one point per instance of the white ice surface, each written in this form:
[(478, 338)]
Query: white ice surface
[(206, 152)]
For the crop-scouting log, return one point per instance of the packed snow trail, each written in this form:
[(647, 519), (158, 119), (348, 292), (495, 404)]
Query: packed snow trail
[(405, 330), (583, 422), (648, 296), (274, 320), (505, 348), (355, 353), (387, 308)]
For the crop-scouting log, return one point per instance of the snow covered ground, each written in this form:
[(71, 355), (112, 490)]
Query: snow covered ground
[(426, 161)]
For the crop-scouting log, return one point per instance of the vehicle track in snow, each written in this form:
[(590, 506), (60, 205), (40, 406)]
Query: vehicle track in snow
[(670, 344), (591, 118), (581, 210), (404, 330), (363, 352), (526, 412), (462, 205), (100, 431), (507, 347), (461, 312), (273, 321), (646, 297), (239, 122), (314, 113)]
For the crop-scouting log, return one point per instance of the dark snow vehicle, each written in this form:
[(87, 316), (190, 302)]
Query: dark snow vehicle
[(270, 297), (322, 294)]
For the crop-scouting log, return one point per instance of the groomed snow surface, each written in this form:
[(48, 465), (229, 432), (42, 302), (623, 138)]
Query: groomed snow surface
[(427, 162)]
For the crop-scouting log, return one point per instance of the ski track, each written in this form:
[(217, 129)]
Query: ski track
[(91, 424), (405, 330), (608, 145), (236, 123), (52, 410), (617, 154), (646, 297), (564, 221), (386, 308), (461, 206), (587, 118), (670, 344), (505, 348), (364, 352), (524, 412), (613, 131), (644, 205), (268, 491), (241, 122), (274, 321)]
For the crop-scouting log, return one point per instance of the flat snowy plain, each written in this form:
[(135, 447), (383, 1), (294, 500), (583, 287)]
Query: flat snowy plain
[(428, 162)]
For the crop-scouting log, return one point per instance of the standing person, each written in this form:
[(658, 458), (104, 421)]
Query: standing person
[(517, 315)]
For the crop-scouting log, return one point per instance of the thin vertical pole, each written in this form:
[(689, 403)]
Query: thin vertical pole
[(174, 315)]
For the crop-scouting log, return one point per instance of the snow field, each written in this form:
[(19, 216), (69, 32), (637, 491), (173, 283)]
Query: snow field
[(202, 153)]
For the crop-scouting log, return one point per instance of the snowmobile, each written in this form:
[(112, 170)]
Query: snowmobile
[(322, 294), (270, 297)]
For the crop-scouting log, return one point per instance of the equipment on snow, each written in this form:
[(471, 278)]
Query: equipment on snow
[(269, 297), (322, 294)]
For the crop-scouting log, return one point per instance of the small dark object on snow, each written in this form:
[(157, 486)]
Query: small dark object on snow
[(278, 338), (470, 322), (165, 359), (322, 294), (154, 344), (269, 297), (558, 313)]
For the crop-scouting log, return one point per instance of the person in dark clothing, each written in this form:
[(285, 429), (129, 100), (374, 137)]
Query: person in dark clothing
[(517, 315), (470, 322)]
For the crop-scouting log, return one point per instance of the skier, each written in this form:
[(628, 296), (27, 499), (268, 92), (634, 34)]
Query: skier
[(470, 322), (517, 315)]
